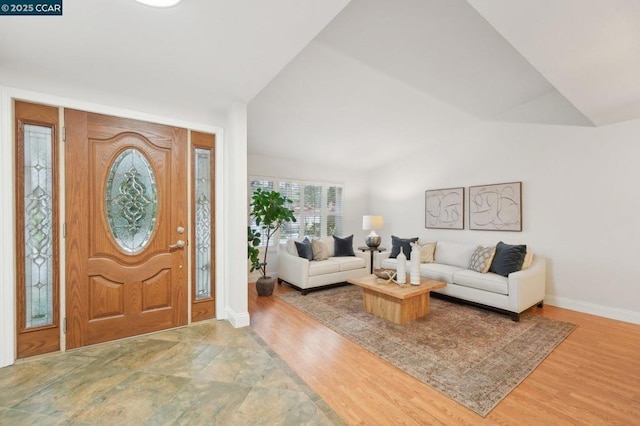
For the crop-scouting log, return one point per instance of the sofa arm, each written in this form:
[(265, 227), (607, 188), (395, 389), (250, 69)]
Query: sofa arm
[(366, 256), (527, 287), (383, 255), (293, 269)]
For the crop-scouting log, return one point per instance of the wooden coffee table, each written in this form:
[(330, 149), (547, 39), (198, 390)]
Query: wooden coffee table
[(394, 303)]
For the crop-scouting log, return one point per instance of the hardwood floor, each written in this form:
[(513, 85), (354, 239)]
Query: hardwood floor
[(593, 377)]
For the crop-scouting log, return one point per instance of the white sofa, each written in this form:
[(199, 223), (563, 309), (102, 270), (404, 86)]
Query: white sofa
[(511, 295), (306, 275)]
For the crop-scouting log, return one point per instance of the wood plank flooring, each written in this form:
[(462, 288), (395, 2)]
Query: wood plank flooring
[(593, 377)]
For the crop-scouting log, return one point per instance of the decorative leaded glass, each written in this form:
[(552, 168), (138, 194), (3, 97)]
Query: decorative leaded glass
[(203, 223), (38, 219), (131, 200)]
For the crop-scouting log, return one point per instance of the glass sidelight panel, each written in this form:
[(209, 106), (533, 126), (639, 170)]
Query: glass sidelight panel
[(203, 211), (38, 224), (131, 200)]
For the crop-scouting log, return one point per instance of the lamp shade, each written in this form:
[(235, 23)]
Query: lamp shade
[(373, 223)]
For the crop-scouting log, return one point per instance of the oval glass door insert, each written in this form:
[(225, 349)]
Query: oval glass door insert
[(131, 200)]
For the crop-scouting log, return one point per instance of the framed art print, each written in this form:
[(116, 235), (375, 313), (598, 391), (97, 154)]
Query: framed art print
[(444, 208), (496, 207)]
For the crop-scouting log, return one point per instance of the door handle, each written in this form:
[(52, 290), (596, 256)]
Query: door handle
[(178, 244)]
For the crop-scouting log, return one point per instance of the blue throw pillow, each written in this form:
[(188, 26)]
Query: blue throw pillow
[(305, 249), (508, 258), (405, 243), (343, 246)]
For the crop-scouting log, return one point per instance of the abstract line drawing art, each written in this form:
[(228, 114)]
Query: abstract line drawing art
[(496, 207), (444, 208)]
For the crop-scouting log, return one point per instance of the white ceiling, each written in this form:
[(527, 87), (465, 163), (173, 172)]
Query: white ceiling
[(589, 50), (387, 78), (382, 79), (446, 50), (192, 60)]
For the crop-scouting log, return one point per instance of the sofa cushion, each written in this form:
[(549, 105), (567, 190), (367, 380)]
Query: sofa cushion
[(389, 263), (320, 250), (481, 259), (349, 263), (393, 264), (305, 250), (454, 254), (343, 246), (508, 258), (439, 272), (405, 243), (488, 282), (325, 267), (427, 251)]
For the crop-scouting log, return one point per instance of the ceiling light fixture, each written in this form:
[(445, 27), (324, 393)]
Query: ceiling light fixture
[(159, 3)]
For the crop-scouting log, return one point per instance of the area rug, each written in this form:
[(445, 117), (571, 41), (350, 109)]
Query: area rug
[(472, 355)]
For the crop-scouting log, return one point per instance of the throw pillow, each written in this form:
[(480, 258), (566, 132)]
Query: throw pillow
[(405, 243), (320, 250), (426, 252), (528, 259), (481, 259), (508, 258), (343, 246), (304, 249), (291, 247)]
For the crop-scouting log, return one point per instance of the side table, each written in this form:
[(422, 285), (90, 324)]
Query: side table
[(371, 250)]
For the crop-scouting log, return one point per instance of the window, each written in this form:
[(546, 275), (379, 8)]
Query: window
[(317, 207)]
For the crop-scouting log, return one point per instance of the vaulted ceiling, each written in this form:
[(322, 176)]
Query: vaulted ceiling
[(367, 80), (388, 78), (589, 50)]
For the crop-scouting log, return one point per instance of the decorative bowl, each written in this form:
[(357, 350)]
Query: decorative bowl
[(384, 273)]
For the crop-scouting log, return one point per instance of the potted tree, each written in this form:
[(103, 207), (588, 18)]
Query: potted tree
[(269, 210)]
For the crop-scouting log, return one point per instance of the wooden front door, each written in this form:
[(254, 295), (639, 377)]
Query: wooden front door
[(125, 223)]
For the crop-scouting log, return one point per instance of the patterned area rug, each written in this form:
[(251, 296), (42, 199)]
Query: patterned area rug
[(472, 355)]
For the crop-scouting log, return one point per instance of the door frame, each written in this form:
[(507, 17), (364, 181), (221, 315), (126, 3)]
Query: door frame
[(7, 220)]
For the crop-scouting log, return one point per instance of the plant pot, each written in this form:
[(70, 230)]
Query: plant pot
[(265, 286)]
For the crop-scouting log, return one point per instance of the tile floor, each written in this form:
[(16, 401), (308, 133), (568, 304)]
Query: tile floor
[(205, 374)]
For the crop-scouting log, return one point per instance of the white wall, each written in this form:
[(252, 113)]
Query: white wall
[(7, 226), (581, 195), (235, 210), (355, 191)]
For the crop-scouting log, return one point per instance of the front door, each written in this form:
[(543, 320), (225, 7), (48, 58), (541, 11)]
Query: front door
[(125, 222)]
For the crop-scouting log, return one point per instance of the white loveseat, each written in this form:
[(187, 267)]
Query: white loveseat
[(306, 275), (511, 295)]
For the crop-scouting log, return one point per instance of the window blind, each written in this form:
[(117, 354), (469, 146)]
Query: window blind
[(318, 207)]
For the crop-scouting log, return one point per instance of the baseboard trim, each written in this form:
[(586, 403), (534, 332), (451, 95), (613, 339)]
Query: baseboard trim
[(237, 320), (594, 309)]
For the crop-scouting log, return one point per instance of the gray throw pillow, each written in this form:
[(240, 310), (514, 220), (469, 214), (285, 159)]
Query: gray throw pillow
[(343, 246), (405, 243), (508, 258), (305, 250)]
